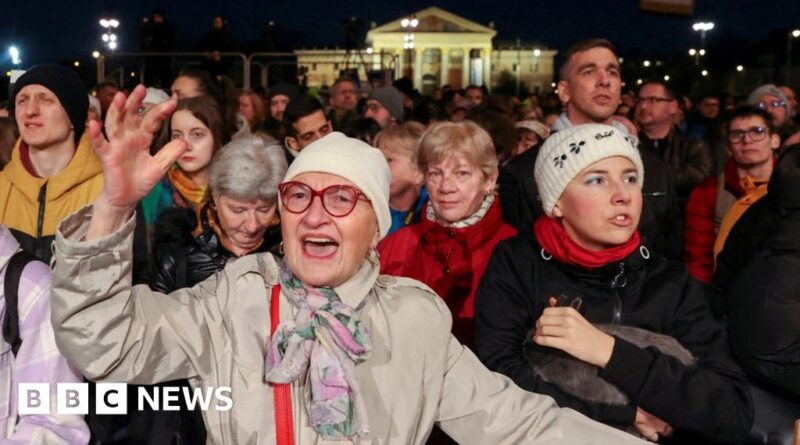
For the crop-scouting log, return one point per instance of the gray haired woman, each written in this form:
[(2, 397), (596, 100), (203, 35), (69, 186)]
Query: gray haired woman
[(239, 219)]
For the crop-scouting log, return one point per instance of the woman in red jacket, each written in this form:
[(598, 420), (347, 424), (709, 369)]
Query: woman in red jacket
[(449, 249)]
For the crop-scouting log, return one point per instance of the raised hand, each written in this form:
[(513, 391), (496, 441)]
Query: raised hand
[(129, 171), (565, 328), (650, 426)]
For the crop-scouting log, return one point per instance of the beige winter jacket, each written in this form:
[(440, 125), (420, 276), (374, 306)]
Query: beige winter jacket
[(217, 332)]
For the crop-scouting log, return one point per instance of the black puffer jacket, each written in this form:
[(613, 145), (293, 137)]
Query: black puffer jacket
[(764, 299), (182, 260), (709, 398), (661, 220)]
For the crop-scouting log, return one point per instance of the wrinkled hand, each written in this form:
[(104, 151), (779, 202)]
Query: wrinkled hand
[(565, 328), (129, 171), (650, 426)]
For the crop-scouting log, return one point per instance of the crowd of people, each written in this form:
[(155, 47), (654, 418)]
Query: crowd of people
[(592, 266)]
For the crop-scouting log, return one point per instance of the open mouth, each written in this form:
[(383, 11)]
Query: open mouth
[(622, 220), (319, 246)]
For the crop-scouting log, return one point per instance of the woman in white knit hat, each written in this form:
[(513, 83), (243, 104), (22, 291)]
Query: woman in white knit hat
[(317, 348), (587, 253)]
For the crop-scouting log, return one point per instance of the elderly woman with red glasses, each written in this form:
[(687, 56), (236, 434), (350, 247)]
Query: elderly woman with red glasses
[(317, 347)]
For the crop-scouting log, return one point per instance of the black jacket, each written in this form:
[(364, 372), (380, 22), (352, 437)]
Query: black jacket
[(709, 398), (661, 220), (182, 260), (689, 160), (763, 266)]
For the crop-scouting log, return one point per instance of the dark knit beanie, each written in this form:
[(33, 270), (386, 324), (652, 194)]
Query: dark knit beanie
[(66, 85), (283, 89), (392, 99)]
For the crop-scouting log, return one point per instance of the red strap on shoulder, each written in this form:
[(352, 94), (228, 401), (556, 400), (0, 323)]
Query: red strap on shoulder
[(281, 392)]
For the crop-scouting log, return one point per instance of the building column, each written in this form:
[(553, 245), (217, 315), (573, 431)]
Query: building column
[(487, 67), (465, 69), (418, 68), (444, 67)]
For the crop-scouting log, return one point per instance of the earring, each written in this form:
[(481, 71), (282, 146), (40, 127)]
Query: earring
[(373, 256), (280, 249)]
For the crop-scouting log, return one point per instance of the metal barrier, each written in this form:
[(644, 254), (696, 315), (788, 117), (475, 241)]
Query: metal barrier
[(101, 61), (380, 61)]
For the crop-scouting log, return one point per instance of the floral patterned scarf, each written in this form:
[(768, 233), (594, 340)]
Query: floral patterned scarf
[(328, 339)]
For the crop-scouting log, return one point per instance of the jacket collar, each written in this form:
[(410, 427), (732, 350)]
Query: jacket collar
[(84, 166), (617, 274), (473, 235)]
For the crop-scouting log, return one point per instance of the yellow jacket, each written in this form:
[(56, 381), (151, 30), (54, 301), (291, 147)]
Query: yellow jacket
[(32, 207)]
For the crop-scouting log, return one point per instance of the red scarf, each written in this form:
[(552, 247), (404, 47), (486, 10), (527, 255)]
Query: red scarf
[(554, 239)]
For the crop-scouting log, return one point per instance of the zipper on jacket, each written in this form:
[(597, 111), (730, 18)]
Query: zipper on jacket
[(619, 281), (40, 221)]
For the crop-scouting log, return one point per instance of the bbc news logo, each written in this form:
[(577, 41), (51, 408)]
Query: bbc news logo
[(112, 398)]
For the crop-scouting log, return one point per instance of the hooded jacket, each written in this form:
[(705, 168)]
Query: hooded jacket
[(709, 398), (31, 206)]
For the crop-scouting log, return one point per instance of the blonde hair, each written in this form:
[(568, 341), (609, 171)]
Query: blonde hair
[(403, 138), (465, 139), (259, 108)]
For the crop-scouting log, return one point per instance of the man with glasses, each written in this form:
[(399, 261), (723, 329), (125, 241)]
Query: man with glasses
[(343, 101), (689, 159), (773, 100), (385, 105), (717, 203)]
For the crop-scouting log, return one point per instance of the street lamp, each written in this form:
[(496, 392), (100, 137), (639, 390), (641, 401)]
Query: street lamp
[(409, 23), (792, 35), (646, 63), (739, 68), (13, 52), (704, 73), (109, 36), (703, 28), (537, 52)]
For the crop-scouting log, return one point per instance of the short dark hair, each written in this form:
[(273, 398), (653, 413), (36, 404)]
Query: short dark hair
[(342, 79), (205, 84), (668, 90), (585, 45), (299, 108), (473, 87), (750, 111)]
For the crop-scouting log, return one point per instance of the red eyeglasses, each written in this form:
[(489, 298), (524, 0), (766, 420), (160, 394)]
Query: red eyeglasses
[(337, 200)]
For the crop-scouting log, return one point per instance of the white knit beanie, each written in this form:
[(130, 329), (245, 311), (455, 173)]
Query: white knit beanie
[(567, 152), (359, 163)]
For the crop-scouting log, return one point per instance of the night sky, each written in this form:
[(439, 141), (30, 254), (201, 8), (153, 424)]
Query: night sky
[(48, 30)]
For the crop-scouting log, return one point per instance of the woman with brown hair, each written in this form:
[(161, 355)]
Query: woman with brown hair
[(252, 109), (199, 122)]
